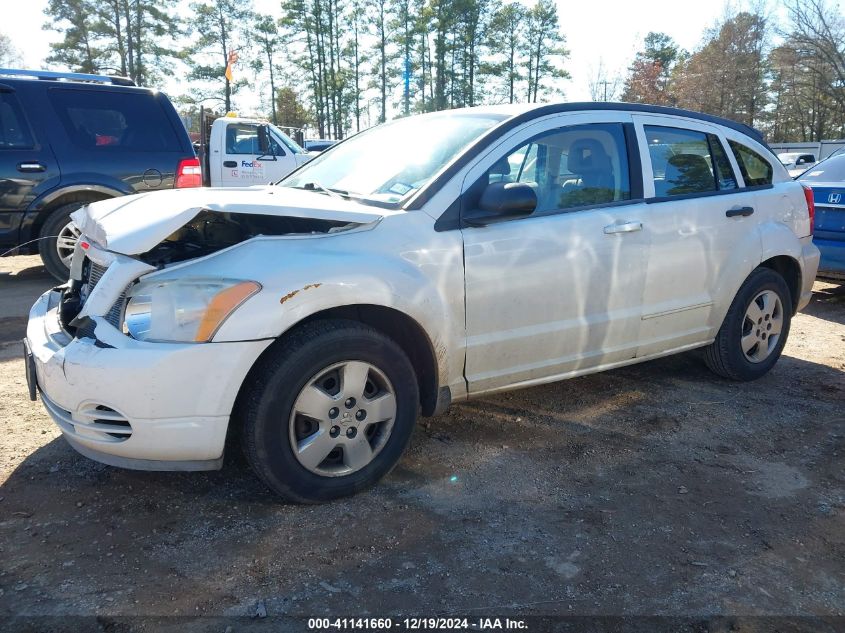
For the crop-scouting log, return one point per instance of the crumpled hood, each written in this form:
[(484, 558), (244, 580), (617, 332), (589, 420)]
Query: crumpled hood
[(135, 224)]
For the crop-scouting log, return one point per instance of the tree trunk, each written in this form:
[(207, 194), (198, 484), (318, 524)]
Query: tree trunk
[(224, 40), (272, 82), (357, 16)]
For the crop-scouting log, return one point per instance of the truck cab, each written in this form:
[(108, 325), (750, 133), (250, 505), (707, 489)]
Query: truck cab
[(241, 152)]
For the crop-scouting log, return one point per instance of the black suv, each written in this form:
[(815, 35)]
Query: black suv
[(67, 139)]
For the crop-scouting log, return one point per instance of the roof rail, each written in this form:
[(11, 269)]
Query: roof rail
[(58, 76)]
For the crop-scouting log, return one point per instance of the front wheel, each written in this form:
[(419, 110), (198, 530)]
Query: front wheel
[(329, 411), (755, 328)]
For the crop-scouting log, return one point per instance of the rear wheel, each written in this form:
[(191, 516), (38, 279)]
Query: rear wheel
[(61, 233), (755, 329), (329, 412)]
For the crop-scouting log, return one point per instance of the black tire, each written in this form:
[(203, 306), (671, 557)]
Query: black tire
[(725, 356), (275, 382), (55, 222)]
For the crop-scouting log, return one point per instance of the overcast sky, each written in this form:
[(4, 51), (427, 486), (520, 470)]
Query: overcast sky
[(597, 31)]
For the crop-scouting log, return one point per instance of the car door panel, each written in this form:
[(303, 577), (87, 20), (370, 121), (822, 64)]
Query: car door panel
[(693, 246), (551, 295), (28, 167), (555, 293), (243, 164)]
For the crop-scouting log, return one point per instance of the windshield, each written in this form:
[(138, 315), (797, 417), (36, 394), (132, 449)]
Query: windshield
[(830, 170), (286, 140), (390, 162)]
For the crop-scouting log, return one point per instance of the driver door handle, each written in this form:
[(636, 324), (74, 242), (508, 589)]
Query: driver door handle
[(623, 227), (31, 167)]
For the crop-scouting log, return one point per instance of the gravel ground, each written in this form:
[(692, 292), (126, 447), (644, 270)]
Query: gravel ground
[(654, 489)]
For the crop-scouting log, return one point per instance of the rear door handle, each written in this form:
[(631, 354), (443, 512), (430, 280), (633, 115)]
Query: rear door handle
[(743, 211), (230, 163), (31, 167), (623, 227)]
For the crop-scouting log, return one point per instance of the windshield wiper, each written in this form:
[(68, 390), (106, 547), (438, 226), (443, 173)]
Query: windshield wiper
[(316, 186)]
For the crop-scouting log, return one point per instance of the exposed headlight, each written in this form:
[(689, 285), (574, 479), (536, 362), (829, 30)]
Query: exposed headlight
[(183, 310)]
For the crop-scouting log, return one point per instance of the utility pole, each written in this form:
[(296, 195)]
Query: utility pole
[(604, 83)]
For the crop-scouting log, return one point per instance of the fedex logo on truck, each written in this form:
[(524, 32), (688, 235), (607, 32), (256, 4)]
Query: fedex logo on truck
[(252, 164)]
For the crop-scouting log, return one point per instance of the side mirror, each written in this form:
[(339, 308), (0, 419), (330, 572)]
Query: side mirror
[(263, 140), (502, 201)]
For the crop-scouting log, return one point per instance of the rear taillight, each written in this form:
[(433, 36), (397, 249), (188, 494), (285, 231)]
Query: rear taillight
[(811, 207), (188, 173)]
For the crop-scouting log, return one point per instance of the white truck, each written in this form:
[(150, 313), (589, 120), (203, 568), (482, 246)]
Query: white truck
[(239, 152)]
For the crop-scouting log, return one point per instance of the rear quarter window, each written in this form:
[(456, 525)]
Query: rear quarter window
[(756, 170), (107, 121)]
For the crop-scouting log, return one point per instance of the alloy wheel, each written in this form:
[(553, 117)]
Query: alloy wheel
[(342, 418), (66, 242), (762, 326)]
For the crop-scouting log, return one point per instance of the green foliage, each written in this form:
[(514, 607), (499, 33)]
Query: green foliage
[(650, 74), (218, 28), (793, 92), (456, 53), (352, 62), (9, 55), (78, 50), (291, 111), (132, 38)]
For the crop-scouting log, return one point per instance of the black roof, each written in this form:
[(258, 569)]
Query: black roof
[(580, 106)]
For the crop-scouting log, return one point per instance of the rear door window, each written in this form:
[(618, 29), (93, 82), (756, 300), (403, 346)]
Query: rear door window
[(682, 162), (725, 177), (756, 170), (14, 131), (103, 120)]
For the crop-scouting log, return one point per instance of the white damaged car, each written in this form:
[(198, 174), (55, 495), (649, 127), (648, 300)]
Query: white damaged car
[(422, 262)]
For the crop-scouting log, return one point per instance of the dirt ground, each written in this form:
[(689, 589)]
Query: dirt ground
[(654, 489)]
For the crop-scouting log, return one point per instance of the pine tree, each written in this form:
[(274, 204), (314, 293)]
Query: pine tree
[(269, 42), (218, 27)]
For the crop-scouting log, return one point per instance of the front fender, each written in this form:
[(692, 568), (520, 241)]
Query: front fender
[(302, 276)]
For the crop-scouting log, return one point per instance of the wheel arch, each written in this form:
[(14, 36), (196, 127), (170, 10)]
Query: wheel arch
[(788, 268), (400, 327), (40, 211), (406, 332)]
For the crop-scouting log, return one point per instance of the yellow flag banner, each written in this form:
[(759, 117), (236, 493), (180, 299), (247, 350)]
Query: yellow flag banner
[(233, 59)]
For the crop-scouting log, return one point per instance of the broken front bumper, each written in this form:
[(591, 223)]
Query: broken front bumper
[(148, 406)]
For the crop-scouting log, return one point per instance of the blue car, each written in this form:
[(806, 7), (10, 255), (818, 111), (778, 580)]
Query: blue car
[(827, 180)]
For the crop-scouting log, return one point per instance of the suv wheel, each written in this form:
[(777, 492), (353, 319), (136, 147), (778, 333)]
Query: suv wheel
[(755, 329), (329, 411), (57, 250)]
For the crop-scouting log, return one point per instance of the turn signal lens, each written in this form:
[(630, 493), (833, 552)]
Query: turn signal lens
[(223, 304), (188, 310)]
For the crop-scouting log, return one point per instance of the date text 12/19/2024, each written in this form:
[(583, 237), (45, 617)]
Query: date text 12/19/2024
[(417, 624)]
